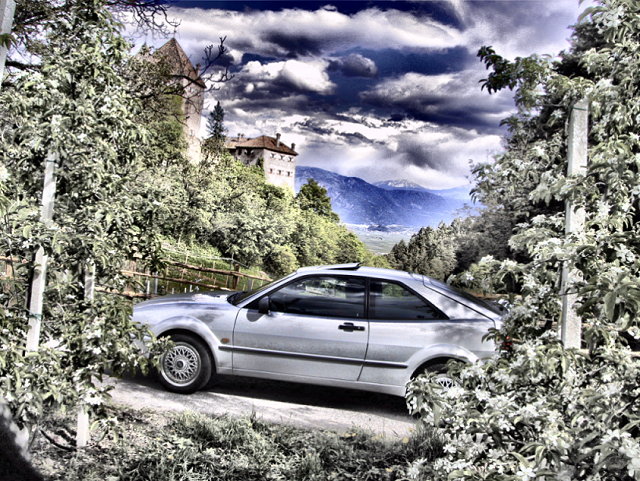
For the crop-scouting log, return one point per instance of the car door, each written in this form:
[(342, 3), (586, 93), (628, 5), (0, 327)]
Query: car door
[(401, 325), (315, 327)]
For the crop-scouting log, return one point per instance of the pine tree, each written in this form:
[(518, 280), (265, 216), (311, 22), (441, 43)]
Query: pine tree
[(213, 147)]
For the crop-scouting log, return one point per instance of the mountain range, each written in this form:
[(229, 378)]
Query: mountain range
[(460, 193), (386, 203)]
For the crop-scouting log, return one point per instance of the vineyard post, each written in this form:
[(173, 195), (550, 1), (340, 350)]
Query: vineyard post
[(40, 264), (82, 431), (7, 10), (571, 324)]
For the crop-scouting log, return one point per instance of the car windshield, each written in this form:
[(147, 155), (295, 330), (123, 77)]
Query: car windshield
[(237, 297)]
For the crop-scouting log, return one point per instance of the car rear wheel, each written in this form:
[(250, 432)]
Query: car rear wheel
[(442, 376), (186, 366)]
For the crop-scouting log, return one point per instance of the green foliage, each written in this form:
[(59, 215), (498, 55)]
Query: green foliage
[(312, 196), (529, 180), (77, 112), (281, 261), (230, 206), (6, 39), (542, 411), (193, 446), (539, 413), (431, 252), (213, 145)]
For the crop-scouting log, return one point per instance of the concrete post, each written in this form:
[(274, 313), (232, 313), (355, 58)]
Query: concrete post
[(7, 9), (571, 324), (82, 429), (40, 269)]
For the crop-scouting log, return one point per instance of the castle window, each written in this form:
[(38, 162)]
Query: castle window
[(271, 171), (279, 172)]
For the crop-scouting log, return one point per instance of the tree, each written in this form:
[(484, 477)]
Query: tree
[(76, 110), (530, 178), (431, 252), (312, 196), (539, 411), (34, 17), (213, 146)]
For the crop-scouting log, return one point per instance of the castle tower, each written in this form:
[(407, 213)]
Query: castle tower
[(278, 160), (186, 75)]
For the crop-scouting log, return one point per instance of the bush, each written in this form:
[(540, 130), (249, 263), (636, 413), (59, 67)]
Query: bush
[(540, 412)]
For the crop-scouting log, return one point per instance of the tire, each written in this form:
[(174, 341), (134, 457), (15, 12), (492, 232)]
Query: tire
[(187, 366), (441, 375)]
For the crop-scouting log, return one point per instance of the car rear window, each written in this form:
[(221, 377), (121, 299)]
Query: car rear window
[(392, 301), (446, 288)]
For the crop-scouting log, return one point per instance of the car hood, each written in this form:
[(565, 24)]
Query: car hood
[(195, 297)]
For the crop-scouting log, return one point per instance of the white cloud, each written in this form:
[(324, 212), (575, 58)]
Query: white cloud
[(308, 75), (298, 47), (445, 97), (376, 149), (513, 28), (279, 33), (523, 28)]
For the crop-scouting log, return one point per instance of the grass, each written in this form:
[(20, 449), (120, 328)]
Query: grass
[(193, 447)]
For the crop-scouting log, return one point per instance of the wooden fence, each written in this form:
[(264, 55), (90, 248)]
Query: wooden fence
[(176, 277), (183, 277)]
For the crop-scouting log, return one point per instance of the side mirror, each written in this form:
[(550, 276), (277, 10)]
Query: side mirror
[(264, 305)]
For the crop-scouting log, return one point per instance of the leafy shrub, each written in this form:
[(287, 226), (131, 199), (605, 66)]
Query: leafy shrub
[(98, 218), (541, 412)]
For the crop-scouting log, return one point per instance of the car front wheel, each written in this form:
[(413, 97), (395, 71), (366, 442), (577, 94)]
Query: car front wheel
[(186, 366)]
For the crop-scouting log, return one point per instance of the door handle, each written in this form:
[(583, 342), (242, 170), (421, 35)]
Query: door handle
[(349, 327)]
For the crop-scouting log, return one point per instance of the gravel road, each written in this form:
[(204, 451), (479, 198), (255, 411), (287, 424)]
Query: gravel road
[(300, 405)]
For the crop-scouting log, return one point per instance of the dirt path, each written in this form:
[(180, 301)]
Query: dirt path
[(300, 405)]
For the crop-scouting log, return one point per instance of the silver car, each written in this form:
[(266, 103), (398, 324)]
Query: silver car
[(340, 325)]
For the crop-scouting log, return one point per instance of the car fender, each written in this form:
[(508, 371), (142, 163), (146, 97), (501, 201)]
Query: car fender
[(442, 351), (190, 324)]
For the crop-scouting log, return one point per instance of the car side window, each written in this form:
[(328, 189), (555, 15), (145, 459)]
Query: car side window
[(324, 296), (391, 301)]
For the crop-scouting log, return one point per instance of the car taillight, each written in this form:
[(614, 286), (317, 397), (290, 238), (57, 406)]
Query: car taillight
[(507, 344)]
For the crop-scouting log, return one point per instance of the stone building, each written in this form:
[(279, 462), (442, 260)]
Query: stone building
[(277, 159), (186, 75)]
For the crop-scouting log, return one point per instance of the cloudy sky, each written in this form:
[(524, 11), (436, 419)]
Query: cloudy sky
[(378, 90)]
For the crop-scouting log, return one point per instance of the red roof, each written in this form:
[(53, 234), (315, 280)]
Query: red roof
[(262, 142)]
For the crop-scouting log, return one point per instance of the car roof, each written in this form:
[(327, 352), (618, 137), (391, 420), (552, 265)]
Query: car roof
[(355, 267)]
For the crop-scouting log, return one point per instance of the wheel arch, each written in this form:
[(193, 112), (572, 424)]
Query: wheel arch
[(435, 361), (194, 329)]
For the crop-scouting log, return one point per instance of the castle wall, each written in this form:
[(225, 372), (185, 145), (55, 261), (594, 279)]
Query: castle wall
[(280, 169), (192, 107)]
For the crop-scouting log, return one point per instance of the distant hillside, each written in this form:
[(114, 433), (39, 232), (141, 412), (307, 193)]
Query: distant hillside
[(358, 202), (398, 184), (459, 193)]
